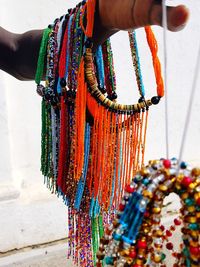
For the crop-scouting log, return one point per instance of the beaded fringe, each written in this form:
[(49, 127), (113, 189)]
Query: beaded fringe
[(88, 151)]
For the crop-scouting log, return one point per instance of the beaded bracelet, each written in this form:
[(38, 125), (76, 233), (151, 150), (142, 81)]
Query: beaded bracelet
[(136, 237)]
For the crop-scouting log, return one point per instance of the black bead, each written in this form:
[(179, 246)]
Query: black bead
[(88, 43), (126, 198), (63, 82), (155, 100), (142, 99), (103, 90), (40, 90), (154, 167), (113, 96)]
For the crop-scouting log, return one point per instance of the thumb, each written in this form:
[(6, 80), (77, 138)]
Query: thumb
[(177, 17)]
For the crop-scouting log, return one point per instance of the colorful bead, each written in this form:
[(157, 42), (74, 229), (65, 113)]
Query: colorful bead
[(168, 233), (169, 246), (195, 250), (177, 222), (142, 244), (149, 235), (167, 163), (129, 189), (186, 181)]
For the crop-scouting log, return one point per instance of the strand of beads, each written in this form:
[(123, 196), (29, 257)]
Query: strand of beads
[(137, 239), (88, 139)]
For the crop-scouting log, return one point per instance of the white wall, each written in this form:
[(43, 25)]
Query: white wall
[(28, 213)]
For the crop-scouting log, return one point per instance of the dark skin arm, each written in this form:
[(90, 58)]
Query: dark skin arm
[(19, 52)]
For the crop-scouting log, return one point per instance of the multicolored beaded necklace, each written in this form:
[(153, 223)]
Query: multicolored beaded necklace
[(91, 145)]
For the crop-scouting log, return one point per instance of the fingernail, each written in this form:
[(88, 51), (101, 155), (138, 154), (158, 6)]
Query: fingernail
[(180, 27)]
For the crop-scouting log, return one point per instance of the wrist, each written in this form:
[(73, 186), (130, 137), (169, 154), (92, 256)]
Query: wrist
[(101, 32)]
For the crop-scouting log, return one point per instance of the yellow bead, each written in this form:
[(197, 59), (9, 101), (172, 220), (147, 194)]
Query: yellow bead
[(179, 178), (191, 208), (173, 179), (146, 230), (146, 193), (144, 172), (163, 188), (156, 210), (158, 233), (157, 258), (195, 172), (192, 219), (192, 185), (139, 262), (194, 234)]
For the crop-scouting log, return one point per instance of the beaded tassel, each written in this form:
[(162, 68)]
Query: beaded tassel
[(80, 119), (91, 145)]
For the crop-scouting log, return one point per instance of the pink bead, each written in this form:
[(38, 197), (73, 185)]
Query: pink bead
[(136, 265), (167, 163), (142, 244), (186, 181), (129, 189), (194, 250), (177, 222)]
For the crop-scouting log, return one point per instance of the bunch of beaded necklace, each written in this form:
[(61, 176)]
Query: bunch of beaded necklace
[(137, 237), (91, 145)]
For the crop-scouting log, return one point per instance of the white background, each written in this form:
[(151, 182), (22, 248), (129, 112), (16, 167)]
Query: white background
[(28, 213)]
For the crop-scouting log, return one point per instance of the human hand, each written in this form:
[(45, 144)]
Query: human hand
[(117, 15)]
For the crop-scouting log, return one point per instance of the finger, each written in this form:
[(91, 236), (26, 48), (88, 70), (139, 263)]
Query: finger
[(177, 17)]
